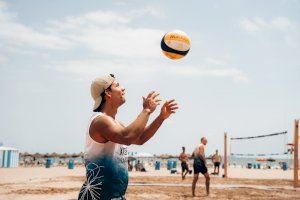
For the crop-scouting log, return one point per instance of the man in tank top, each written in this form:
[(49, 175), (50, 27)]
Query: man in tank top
[(107, 139), (216, 158), (200, 165)]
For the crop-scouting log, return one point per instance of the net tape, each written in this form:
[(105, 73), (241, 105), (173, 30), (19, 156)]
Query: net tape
[(259, 136)]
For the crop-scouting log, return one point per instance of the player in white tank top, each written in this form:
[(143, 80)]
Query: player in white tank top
[(107, 139)]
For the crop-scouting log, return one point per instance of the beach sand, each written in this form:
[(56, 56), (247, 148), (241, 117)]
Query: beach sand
[(57, 183)]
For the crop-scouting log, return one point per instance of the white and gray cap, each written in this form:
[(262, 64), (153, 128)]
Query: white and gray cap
[(98, 86)]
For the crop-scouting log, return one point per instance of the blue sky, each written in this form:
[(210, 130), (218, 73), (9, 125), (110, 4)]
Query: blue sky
[(240, 76)]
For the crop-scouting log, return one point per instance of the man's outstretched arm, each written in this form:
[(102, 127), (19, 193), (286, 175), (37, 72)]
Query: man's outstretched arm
[(167, 109), (111, 131)]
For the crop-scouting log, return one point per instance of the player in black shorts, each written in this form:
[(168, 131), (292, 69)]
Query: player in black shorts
[(200, 165), (184, 163), (216, 158)]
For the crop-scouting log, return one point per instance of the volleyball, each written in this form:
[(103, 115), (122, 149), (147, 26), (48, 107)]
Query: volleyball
[(175, 44)]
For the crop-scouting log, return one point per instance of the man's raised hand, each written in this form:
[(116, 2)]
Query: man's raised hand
[(151, 101), (168, 108)]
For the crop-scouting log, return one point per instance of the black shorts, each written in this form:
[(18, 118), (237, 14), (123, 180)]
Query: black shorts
[(184, 166), (199, 169), (217, 164)]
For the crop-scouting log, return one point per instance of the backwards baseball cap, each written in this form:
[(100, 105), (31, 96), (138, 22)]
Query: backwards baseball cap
[(98, 86)]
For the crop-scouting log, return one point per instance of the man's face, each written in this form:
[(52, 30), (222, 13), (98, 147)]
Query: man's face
[(204, 141), (183, 149), (117, 94)]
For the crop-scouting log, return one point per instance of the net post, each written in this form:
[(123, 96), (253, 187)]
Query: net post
[(225, 155), (296, 161)]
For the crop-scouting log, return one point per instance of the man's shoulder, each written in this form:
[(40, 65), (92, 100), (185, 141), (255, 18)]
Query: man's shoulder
[(103, 119)]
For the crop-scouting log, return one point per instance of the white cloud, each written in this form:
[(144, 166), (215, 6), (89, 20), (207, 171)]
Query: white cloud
[(249, 25), (20, 35), (106, 17), (288, 29), (109, 33), (135, 51), (102, 32), (88, 20), (283, 24), (26, 52), (84, 67), (235, 74), (215, 61), (258, 24), (90, 68), (102, 18), (120, 41), (151, 11), (15, 33)]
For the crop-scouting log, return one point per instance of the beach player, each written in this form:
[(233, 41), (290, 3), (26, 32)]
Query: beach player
[(200, 165), (216, 158), (107, 138), (184, 163)]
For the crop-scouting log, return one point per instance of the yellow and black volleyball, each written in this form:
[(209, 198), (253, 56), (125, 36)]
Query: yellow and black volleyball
[(175, 44)]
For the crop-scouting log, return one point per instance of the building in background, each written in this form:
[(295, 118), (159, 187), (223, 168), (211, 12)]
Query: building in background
[(9, 157)]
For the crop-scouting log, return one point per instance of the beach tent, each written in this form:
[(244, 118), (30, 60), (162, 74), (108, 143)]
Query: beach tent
[(9, 157)]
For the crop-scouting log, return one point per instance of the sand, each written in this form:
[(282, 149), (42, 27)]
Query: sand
[(61, 183)]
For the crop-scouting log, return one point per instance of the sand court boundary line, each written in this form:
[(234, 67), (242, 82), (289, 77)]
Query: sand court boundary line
[(218, 186)]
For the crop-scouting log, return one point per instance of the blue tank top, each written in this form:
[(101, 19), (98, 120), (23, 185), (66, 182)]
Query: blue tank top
[(106, 169)]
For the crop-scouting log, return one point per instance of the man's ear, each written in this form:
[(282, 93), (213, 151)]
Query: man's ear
[(107, 93)]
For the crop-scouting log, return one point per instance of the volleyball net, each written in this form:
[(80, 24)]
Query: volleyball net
[(260, 145)]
